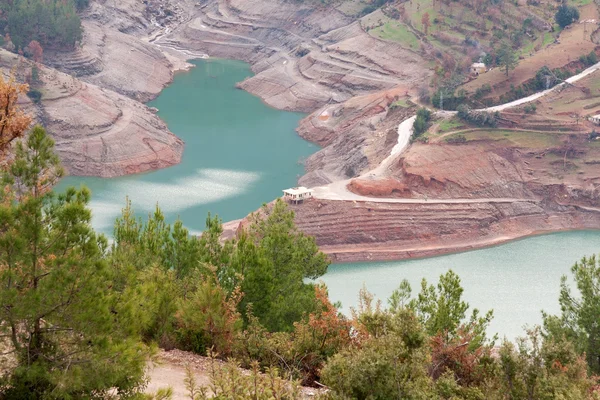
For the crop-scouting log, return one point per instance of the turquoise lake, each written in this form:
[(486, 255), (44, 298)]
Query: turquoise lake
[(517, 280), (240, 153)]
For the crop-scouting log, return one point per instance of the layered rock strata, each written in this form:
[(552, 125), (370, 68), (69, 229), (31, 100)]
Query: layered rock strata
[(369, 231), (97, 132)]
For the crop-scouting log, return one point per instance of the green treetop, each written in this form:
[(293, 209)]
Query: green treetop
[(61, 324)]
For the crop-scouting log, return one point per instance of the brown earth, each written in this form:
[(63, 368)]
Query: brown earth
[(574, 42), (369, 231), (555, 173), (114, 54), (500, 167), (356, 134), (303, 57), (97, 131), (559, 186)]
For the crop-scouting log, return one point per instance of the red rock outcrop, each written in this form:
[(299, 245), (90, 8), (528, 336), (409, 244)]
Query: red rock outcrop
[(357, 134), (388, 187)]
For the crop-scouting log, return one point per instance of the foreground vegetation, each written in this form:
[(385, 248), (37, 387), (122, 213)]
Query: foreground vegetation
[(81, 317)]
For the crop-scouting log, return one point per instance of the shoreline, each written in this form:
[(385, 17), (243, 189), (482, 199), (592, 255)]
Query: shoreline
[(181, 61), (447, 251), (374, 254)]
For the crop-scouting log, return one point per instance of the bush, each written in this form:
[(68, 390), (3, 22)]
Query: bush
[(457, 139), (372, 371), (482, 91), (566, 15), (302, 353), (35, 95), (480, 118), (421, 122), (591, 58), (530, 108), (368, 10), (207, 318), (450, 100), (53, 23), (302, 51), (228, 381)]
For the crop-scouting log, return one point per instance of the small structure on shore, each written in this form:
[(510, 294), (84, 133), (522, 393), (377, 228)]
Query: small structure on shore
[(297, 195), (478, 68), (595, 119)]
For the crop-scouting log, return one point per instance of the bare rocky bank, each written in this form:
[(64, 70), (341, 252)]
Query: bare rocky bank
[(304, 57), (372, 231), (312, 59), (92, 97)]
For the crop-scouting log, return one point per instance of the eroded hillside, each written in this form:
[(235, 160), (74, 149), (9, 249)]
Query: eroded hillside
[(98, 132), (360, 71)]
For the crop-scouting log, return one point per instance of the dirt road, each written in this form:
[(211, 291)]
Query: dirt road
[(339, 191)]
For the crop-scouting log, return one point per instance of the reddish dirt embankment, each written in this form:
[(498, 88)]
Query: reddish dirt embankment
[(363, 231), (97, 131)]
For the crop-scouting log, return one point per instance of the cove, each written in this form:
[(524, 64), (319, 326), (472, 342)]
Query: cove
[(239, 153), (517, 280)]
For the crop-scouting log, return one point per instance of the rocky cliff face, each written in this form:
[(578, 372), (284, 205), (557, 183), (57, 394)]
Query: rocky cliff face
[(497, 190), (93, 96), (113, 54), (356, 134), (303, 56), (98, 132)]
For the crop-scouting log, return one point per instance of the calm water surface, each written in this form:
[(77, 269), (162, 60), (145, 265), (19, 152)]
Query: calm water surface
[(240, 153), (517, 280)]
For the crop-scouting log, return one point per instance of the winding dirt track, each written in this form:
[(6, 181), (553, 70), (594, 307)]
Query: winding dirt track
[(339, 190)]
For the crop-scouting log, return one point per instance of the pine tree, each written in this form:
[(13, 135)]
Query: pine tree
[(507, 58), (276, 259), (61, 323), (580, 311)]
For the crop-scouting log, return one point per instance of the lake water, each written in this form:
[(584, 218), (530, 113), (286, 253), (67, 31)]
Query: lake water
[(517, 280), (240, 153)]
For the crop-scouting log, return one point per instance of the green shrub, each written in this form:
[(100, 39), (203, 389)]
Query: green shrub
[(482, 91), (591, 58), (456, 139), (566, 15), (53, 23), (35, 95), (480, 118), (421, 123)]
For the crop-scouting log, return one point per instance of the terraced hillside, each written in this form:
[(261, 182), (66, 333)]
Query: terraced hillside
[(304, 57), (351, 231), (98, 132)]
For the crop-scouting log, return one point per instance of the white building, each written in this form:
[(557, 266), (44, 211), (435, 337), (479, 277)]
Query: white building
[(478, 68), (297, 195), (595, 119)]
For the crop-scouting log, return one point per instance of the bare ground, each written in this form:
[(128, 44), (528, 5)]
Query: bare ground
[(170, 371)]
